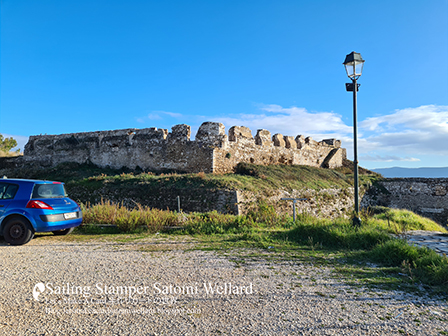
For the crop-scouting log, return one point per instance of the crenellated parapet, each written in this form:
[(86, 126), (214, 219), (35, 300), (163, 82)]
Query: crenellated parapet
[(264, 148), (211, 134), (157, 149)]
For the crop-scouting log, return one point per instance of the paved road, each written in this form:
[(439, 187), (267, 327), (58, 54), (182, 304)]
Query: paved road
[(438, 241)]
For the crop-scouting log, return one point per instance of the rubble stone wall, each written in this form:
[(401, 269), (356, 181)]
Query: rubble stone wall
[(264, 149), (148, 149), (212, 151), (425, 196)]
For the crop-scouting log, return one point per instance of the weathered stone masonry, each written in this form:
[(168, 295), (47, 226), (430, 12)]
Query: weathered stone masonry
[(212, 151), (425, 196)]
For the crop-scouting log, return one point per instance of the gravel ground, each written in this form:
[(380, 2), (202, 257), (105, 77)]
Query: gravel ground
[(266, 298)]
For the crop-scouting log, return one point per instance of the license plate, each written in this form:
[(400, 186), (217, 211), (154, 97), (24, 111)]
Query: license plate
[(70, 215)]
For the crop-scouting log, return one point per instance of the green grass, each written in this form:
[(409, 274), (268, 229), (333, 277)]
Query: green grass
[(290, 177), (399, 220), (337, 234), (128, 220), (418, 263)]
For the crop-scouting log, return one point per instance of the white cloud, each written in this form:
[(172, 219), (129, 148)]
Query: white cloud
[(420, 130), (291, 121), (154, 116), (426, 117), (172, 114), (387, 158), (158, 115)]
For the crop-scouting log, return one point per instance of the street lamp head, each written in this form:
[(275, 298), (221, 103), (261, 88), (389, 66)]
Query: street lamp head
[(353, 65)]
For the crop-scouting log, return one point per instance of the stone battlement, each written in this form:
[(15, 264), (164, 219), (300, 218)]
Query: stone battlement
[(212, 151)]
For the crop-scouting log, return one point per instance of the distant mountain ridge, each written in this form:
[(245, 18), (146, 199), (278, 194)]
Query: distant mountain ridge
[(426, 172)]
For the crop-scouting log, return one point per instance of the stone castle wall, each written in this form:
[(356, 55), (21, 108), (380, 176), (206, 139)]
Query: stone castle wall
[(212, 151), (425, 196), (265, 149)]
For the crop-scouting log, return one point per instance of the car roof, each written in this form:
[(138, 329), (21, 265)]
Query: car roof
[(3, 179)]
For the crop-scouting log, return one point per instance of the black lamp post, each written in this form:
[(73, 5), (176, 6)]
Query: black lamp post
[(353, 65)]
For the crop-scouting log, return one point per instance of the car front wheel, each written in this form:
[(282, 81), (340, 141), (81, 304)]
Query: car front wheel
[(17, 231), (63, 232)]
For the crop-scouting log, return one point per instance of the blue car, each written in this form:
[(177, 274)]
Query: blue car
[(30, 206)]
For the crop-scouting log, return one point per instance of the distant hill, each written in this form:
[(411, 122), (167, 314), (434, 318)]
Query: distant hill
[(434, 172)]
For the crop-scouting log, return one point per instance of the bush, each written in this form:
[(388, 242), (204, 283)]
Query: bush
[(244, 168), (217, 223)]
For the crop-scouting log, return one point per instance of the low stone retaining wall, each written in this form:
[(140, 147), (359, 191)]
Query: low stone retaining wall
[(427, 197)]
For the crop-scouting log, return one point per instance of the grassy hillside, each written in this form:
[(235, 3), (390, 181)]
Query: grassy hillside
[(200, 192), (247, 177)]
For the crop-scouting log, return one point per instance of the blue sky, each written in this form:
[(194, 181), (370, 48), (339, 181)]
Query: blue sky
[(77, 66)]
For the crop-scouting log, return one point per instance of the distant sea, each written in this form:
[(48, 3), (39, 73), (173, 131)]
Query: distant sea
[(437, 172)]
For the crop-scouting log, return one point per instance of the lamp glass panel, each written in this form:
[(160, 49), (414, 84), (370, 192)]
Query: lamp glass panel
[(354, 69), (358, 68), (350, 68)]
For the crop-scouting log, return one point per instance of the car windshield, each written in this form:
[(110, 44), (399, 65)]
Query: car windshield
[(53, 190)]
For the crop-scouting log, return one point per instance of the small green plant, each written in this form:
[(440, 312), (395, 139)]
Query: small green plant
[(407, 269), (265, 213), (217, 223), (201, 175), (312, 244)]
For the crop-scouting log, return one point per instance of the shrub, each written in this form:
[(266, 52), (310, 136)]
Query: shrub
[(216, 223), (424, 263), (337, 234)]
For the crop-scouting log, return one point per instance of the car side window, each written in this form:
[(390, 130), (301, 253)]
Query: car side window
[(8, 191), (3, 187)]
